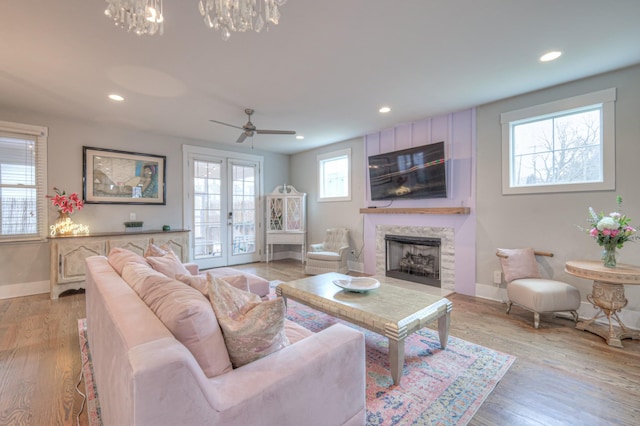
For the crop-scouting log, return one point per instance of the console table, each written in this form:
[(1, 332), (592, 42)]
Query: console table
[(68, 252), (607, 297)]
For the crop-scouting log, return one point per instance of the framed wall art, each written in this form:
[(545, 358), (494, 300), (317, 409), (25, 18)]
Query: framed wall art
[(121, 177)]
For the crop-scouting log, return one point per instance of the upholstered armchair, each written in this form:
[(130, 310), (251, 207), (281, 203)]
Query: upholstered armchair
[(527, 289), (331, 254)]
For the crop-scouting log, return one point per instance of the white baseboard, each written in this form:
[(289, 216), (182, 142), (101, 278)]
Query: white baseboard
[(491, 292), (24, 289), (356, 266), (286, 255), (353, 266), (629, 317)]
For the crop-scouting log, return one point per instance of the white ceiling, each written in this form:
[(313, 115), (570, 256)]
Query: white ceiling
[(323, 71)]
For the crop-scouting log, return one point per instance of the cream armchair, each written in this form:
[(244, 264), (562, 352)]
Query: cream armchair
[(331, 254), (527, 289)]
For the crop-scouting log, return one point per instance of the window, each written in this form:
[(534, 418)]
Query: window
[(562, 146), (334, 174), (23, 186)]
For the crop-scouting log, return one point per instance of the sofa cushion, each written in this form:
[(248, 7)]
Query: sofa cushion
[(168, 264), (118, 257), (186, 313), (135, 275), (324, 255), (518, 263), (251, 328), (201, 282)]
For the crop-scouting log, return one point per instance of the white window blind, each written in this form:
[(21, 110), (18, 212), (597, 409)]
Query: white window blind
[(23, 174)]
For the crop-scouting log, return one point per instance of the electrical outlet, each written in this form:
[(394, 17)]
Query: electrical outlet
[(132, 216), (497, 277)]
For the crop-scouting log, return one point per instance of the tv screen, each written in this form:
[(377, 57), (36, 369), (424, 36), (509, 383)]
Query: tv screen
[(413, 173)]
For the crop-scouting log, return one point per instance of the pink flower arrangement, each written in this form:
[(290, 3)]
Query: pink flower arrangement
[(66, 203), (612, 230)]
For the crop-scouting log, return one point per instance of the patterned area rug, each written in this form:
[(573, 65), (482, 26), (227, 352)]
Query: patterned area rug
[(438, 387)]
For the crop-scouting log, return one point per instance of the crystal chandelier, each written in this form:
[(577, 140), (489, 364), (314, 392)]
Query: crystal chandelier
[(138, 16), (239, 15)]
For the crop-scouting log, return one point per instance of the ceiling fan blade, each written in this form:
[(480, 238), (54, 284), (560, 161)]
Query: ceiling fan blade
[(242, 137), (227, 124), (275, 132)]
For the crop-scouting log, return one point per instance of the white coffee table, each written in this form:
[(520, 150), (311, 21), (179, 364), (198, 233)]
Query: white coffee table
[(389, 310)]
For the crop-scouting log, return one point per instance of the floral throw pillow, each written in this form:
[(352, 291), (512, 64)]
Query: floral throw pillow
[(251, 328), (518, 263)]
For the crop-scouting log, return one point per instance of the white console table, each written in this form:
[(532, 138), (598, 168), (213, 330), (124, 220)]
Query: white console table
[(68, 252)]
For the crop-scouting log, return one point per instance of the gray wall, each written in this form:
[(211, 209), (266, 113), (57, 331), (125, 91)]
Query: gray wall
[(29, 263), (320, 216), (549, 221)]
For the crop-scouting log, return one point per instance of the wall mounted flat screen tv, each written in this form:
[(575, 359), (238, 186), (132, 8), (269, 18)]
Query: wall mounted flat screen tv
[(413, 173)]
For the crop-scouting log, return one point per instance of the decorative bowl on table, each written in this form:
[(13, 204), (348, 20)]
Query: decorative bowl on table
[(358, 284)]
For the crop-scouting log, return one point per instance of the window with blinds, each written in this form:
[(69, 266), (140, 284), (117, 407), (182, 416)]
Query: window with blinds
[(23, 186)]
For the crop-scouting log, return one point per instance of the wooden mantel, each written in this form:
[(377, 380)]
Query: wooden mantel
[(417, 210)]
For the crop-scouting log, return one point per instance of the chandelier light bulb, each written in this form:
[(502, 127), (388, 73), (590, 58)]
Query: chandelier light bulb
[(229, 16), (137, 16)]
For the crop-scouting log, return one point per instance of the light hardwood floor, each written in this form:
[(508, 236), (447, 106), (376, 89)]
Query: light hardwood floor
[(562, 376)]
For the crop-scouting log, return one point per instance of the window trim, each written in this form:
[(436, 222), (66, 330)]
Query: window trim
[(606, 98), (333, 155), (40, 134)]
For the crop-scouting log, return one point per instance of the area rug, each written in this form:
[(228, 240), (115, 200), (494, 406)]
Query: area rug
[(438, 387)]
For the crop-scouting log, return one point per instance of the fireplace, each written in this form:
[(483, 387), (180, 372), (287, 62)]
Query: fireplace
[(413, 258), (446, 235)]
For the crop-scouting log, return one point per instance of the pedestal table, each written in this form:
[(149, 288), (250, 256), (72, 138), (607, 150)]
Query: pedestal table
[(607, 297)]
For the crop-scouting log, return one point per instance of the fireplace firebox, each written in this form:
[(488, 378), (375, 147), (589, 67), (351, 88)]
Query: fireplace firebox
[(412, 258)]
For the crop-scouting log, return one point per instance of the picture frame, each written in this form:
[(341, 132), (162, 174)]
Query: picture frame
[(120, 177)]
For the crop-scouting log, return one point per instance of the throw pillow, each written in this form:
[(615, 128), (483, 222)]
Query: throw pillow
[(155, 251), (189, 317), (251, 328), (201, 282), (118, 257), (169, 264), (518, 263)]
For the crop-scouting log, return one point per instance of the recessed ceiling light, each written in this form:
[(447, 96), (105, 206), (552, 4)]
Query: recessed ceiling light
[(299, 137), (550, 56), (384, 110), (115, 97)]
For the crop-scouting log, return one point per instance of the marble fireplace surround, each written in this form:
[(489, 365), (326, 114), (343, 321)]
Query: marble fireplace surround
[(447, 248)]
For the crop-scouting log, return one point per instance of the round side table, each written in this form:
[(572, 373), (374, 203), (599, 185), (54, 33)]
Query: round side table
[(607, 297)]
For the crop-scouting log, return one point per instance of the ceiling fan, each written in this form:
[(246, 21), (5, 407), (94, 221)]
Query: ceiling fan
[(249, 129)]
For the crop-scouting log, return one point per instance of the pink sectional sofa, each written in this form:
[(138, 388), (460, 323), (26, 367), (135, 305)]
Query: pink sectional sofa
[(145, 376)]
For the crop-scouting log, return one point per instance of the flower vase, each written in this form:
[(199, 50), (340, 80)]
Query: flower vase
[(609, 256), (62, 223)]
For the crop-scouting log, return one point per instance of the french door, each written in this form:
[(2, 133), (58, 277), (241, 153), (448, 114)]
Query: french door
[(222, 207)]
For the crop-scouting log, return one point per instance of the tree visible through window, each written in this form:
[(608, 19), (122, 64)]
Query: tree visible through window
[(563, 149), (566, 145), (22, 182)]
